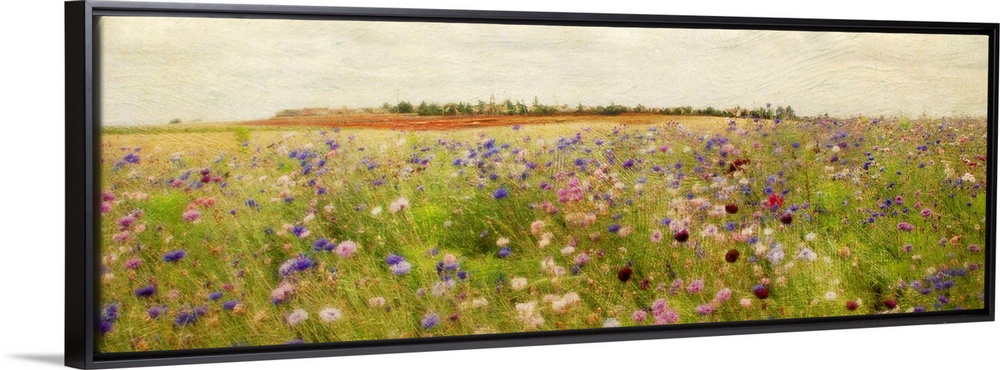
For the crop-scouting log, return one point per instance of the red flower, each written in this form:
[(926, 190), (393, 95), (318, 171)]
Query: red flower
[(890, 303), (852, 305), (775, 200), (681, 236), (732, 255), (732, 208)]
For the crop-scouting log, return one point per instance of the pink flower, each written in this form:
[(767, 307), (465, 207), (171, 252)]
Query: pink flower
[(639, 316), (120, 237), (926, 212), (696, 286), (133, 263), (346, 248), (656, 236), (191, 215), (536, 227), (572, 192), (723, 295), (905, 226), (705, 309)]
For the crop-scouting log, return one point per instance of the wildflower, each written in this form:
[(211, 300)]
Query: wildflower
[(504, 252), (174, 256), (528, 315), (566, 302), (975, 248), (705, 309), (214, 296), (282, 293), (295, 264), (761, 291), (230, 305), (639, 316), (156, 311), (330, 314), (696, 286), (300, 231), (968, 177), (656, 236), (810, 237), (723, 295), (732, 255), (625, 273), (518, 283), (398, 205), (191, 215), (502, 242), (807, 254), (786, 218), (323, 244), (905, 226), (662, 314), (376, 302), (133, 263), (611, 323), (890, 303), (625, 231), (926, 212), (746, 302), (376, 211), (430, 320), (536, 227), (613, 228), (681, 236), (500, 193), (401, 268), (732, 208), (346, 248), (852, 305), (297, 317)]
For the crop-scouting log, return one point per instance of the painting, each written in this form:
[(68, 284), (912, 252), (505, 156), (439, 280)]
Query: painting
[(285, 183)]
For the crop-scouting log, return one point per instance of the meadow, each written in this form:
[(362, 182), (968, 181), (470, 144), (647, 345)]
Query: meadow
[(231, 235)]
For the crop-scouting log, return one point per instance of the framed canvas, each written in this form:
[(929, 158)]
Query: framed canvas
[(249, 182)]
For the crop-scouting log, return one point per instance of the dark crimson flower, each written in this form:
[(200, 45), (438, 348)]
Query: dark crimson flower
[(732, 208), (852, 305), (645, 284), (786, 218), (625, 274), (732, 255), (890, 303), (761, 291), (681, 236)]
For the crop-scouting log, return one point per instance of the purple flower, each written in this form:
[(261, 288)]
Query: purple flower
[(696, 286), (400, 268), (613, 228), (191, 215), (322, 244), (214, 296), (298, 263), (905, 226), (430, 320), (106, 326), (110, 312), (133, 263), (500, 193), (300, 231), (145, 291), (185, 318), (230, 304), (156, 311), (131, 158), (393, 259), (174, 256), (504, 252), (639, 316)]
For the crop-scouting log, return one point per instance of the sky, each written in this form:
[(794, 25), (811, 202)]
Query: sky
[(155, 69)]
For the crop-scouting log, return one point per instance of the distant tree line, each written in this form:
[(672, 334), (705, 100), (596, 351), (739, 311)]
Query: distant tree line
[(518, 107)]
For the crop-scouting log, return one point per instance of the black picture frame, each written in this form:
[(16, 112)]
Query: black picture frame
[(82, 194)]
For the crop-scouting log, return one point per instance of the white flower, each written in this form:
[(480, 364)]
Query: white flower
[(376, 210), (567, 250), (810, 237), (398, 205), (831, 295), (376, 302), (518, 283), (968, 177), (502, 242), (612, 323), (297, 317), (330, 314)]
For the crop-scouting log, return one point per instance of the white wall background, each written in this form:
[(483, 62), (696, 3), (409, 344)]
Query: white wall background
[(31, 210)]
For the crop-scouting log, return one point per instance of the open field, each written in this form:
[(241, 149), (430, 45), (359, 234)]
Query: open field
[(271, 232)]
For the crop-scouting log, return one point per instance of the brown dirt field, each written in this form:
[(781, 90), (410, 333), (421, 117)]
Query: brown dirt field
[(421, 123)]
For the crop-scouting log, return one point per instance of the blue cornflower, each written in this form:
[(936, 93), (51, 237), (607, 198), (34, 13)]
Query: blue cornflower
[(500, 193), (145, 291), (214, 296), (230, 304), (174, 256), (504, 252), (430, 320), (393, 259)]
